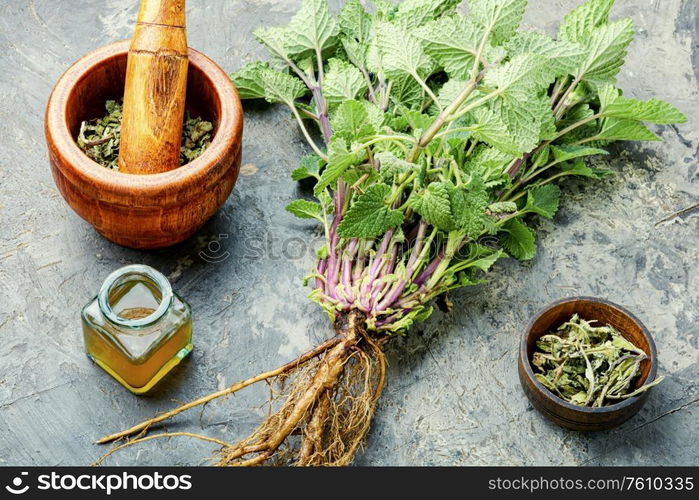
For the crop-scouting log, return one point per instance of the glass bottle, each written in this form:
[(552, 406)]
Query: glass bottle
[(137, 329)]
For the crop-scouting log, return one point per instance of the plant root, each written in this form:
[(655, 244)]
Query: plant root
[(322, 412), (315, 352)]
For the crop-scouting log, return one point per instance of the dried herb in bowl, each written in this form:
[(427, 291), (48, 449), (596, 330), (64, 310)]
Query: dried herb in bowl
[(99, 137), (589, 365)]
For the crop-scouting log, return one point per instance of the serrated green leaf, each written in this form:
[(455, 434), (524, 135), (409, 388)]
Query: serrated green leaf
[(342, 82), (652, 111), (247, 80), (356, 119), (340, 158), (390, 166), (434, 205), (305, 209), (309, 167), (489, 127), (500, 17), (579, 168), (311, 30), (354, 21), (562, 57), (565, 153), (468, 210), (281, 87), (579, 23), (502, 207), (518, 240), (617, 129), (453, 42), (543, 200), (606, 50), (414, 13), (400, 52), (274, 38), (485, 263), (369, 216), (406, 92)]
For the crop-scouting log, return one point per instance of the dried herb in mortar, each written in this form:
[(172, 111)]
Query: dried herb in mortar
[(589, 365), (99, 138)]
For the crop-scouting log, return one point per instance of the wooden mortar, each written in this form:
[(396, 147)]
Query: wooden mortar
[(143, 211)]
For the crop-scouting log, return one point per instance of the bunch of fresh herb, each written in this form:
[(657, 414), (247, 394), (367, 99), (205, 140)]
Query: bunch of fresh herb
[(99, 137), (439, 132), (589, 365)]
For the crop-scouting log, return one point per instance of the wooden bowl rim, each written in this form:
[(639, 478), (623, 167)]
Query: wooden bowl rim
[(526, 364), (79, 167)]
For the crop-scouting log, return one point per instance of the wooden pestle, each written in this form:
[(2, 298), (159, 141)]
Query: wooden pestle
[(154, 94)]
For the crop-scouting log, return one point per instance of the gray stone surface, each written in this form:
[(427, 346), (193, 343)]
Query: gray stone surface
[(453, 394)]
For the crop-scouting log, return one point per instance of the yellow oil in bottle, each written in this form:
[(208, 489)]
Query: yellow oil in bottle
[(137, 333)]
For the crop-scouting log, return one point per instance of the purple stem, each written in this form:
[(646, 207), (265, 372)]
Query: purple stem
[(415, 252), (322, 113), (347, 259), (425, 275), (392, 317), (333, 258), (382, 249), (320, 269), (392, 296)]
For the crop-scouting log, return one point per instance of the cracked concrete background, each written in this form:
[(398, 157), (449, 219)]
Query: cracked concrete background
[(453, 395)]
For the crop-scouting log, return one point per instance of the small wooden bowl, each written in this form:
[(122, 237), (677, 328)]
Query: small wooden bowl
[(568, 415), (143, 211)]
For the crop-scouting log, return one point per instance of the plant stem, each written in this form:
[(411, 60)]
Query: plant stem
[(439, 122), (310, 141)]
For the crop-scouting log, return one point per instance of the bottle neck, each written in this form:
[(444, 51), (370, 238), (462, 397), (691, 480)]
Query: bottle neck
[(133, 275)]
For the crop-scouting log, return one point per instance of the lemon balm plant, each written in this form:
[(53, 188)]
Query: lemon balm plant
[(436, 131)]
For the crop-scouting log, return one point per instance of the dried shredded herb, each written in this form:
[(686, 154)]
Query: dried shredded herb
[(589, 365), (99, 137)]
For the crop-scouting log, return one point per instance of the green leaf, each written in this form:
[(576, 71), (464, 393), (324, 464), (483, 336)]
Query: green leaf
[(543, 200), (342, 82), (579, 23), (369, 216), (309, 167), (281, 87), (579, 168), (485, 263), (406, 92), (453, 43), (520, 78), (617, 129), (354, 119), (434, 205), (468, 210), (414, 13), (561, 57), (354, 21), (652, 111), (247, 80), (305, 209), (565, 153), (518, 240), (606, 50), (274, 38), (312, 29), (502, 207), (491, 129), (390, 166), (400, 51), (500, 17), (340, 158)]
